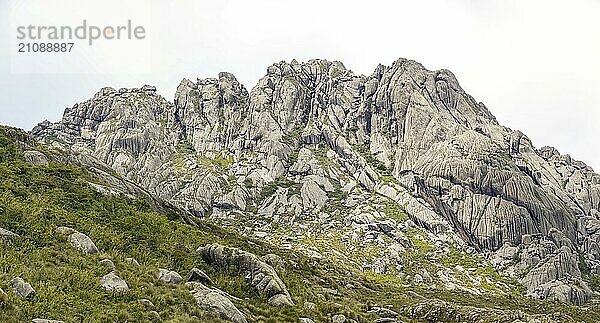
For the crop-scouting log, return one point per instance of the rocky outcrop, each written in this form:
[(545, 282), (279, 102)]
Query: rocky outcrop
[(440, 311), (214, 301), (384, 312), (312, 139), (260, 275), (550, 267), (35, 158), (274, 261), (573, 290)]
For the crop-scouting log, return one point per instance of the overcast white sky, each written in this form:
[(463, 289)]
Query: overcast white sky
[(535, 64)]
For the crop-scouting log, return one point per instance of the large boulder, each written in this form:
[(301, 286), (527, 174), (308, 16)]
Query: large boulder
[(214, 301), (35, 158), (82, 242), (22, 288), (111, 282), (260, 275), (169, 276)]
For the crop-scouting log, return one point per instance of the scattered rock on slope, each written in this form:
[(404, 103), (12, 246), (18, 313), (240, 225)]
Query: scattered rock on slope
[(22, 288), (5, 234), (78, 240), (169, 276), (214, 301), (111, 282), (310, 306), (83, 243), (338, 318), (65, 230), (146, 302), (262, 276)]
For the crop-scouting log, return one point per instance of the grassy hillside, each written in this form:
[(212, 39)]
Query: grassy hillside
[(35, 200)]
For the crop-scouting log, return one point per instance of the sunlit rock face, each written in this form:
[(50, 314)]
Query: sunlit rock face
[(314, 143)]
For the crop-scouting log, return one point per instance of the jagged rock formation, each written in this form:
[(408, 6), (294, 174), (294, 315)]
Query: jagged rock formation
[(261, 275), (312, 141), (549, 267)]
